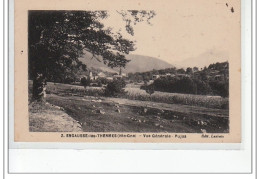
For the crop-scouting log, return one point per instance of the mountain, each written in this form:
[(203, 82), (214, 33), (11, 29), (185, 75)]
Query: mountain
[(204, 59), (138, 63), (92, 62)]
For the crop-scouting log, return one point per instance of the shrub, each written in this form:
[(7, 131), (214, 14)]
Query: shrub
[(85, 81), (68, 80), (202, 87), (220, 88), (148, 89), (174, 85), (165, 84), (184, 85), (115, 88), (102, 81)]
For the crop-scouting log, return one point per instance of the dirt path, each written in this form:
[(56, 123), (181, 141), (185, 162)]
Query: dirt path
[(96, 114), (45, 117)]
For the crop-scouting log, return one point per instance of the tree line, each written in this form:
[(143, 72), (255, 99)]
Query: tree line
[(211, 80)]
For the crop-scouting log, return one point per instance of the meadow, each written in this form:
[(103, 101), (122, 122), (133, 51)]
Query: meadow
[(217, 102), (134, 92)]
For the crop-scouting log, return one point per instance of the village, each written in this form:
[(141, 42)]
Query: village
[(149, 77)]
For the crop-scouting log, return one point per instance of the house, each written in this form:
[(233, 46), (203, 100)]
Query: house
[(181, 76), (91, 77), (109, 78), (219, 77), (117, 76), (101, 75), (155, 77), (169, 75), (123, 74), (84, 76)]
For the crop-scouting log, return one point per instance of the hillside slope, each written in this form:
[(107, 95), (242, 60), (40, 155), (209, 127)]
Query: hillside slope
[(138, 63)]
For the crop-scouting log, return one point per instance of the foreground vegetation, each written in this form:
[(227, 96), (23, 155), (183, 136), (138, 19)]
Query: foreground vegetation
[(101, 114), (177, 98), (133, 111), (134, 93)]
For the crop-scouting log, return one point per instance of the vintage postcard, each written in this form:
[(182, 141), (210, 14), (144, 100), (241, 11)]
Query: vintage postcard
[(139, 71)]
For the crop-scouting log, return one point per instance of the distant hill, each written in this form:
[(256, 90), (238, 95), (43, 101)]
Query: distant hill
[(204, 59), (93, 63), (138, 63)]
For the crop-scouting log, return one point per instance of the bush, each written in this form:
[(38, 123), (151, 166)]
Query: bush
[(203, 88), (85, 81), (148, 88), (115, 88), (220, 88), (185, 85), (174, 85), (101, 81), (68, 80), (165, 84)]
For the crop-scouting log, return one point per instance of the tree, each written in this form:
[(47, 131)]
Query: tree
[(57, 40), (181, 71), (203, 87), (203, 75), (149, 89), (189, 70), (85, 81), (195, 69), (115, 87), (220, 88)]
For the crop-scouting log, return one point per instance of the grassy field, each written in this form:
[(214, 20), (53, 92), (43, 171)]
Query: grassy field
[(95, 113), (135, 93)]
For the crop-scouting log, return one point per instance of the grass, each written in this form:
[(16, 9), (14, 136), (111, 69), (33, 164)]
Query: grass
[(135, 93), (73, 108), (73, 90), (137, 117), (175, 98)]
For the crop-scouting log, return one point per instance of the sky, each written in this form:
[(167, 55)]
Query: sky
[(187, 34)]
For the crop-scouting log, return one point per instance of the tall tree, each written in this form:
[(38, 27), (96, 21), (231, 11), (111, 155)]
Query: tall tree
[(189, 70), (57, 39)]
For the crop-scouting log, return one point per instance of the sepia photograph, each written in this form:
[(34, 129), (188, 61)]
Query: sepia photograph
[(87, 75), (132, 71), (98, 86)]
